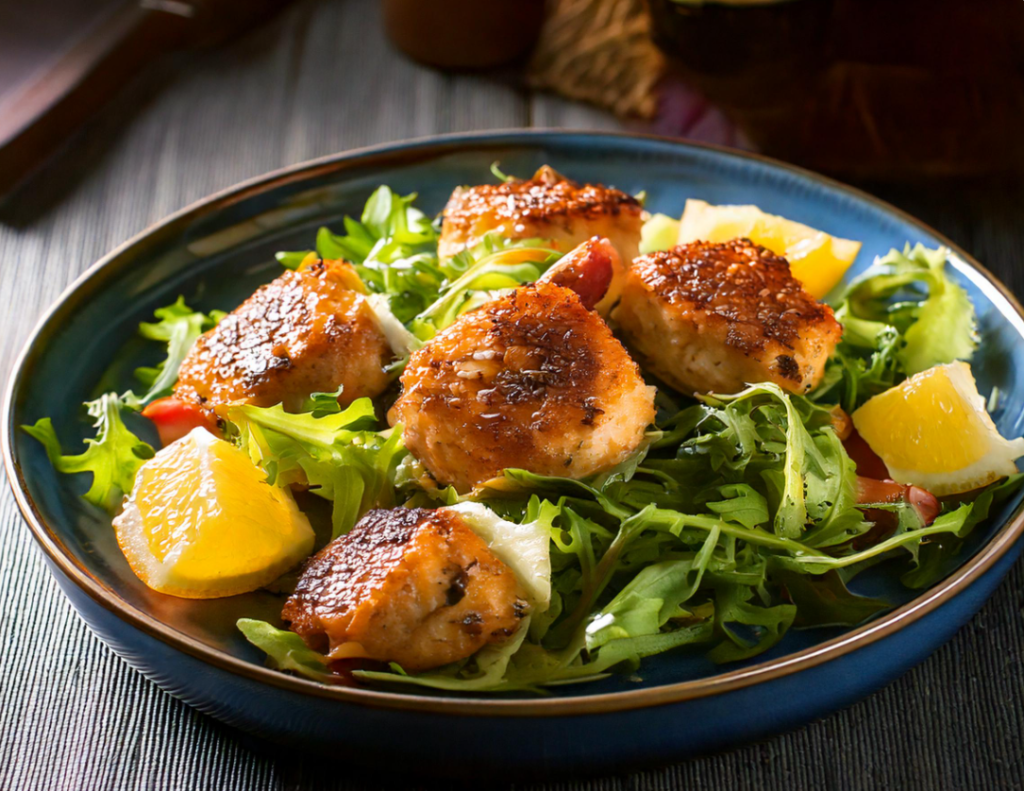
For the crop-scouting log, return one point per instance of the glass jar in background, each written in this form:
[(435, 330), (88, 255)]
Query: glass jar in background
[(866, 89), (464, 34)]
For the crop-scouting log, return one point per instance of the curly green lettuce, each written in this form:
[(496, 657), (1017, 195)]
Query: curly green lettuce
[(113, 457), (179, 326), (339, 454), (902, 316)]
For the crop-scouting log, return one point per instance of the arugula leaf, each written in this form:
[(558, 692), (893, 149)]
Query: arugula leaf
[(935, 559), (824, 599), (952, 522), (742, 503), (740, 513), (652, 597), (747, 629), (788, 441), (113, 457)]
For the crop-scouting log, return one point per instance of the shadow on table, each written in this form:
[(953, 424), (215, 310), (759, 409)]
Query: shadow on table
[(63, 173), (91, 147)]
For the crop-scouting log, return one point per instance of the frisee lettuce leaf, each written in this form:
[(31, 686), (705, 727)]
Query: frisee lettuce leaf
[(339, 455), (113, 457), (179, 326)]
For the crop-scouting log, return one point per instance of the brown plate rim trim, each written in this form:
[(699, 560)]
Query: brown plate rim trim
[(422, 149)]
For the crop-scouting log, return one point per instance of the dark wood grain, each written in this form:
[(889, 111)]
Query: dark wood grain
[(321, 79)]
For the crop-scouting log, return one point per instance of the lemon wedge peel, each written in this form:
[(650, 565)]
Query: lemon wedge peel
[(816, 259), (933, 431), (202, 522)]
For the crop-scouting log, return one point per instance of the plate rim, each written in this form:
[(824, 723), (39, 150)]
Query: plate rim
[(423, 148)]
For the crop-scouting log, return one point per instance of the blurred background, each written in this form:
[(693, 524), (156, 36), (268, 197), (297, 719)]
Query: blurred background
[(115, 114), (890, 90)]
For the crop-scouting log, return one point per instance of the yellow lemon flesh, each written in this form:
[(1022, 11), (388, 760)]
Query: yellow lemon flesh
[(933, 431), (816, 259), (202, 522)]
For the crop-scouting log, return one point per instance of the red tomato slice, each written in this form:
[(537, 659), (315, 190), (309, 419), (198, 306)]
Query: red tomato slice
[(588, 270), (872, 490), (175, 418), (869, 464)]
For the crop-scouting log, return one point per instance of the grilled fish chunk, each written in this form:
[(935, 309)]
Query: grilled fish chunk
[(412, 586), (308, 331), (715, 317), (531, 380), (547, 206)]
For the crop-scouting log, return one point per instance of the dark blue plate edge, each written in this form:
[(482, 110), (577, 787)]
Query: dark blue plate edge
[(416, 149)]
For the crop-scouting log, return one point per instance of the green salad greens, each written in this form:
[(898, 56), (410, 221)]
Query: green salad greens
[(900, 317), (394, 249), (113, 457), (738, 518)]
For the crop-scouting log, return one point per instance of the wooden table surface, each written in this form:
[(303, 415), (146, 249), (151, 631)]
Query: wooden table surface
[(319, 80)]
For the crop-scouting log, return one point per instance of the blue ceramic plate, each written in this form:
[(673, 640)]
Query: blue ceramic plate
[(218, 251)]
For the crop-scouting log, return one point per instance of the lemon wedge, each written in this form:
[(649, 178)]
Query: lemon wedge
[(933, 431), (202, 522), (816, 259)]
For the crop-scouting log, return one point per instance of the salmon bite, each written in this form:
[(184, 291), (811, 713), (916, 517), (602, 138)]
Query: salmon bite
[(412, 586), (310, 330), (715, 317), (531, 380), (547, 206)]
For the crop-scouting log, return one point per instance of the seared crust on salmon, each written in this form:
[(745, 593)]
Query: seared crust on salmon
[(547, 206), (714, 317), (531, 380), (412, 586), (310, 330)]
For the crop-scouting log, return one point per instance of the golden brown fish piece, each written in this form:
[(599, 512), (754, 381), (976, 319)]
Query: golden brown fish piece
[(714, 317), (548, 206), (531, 380), (412, 586), (308, 331)]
